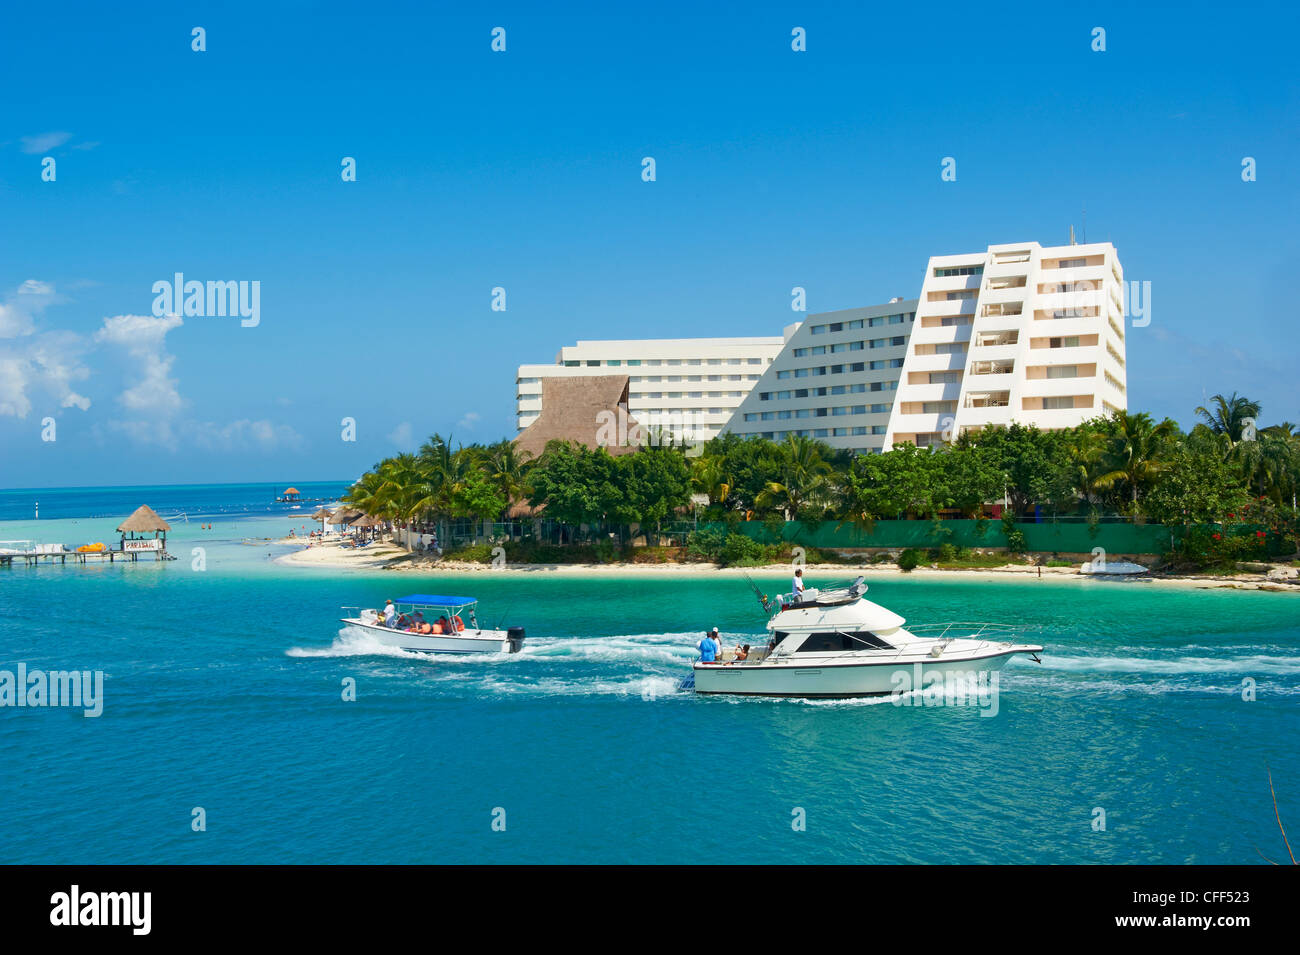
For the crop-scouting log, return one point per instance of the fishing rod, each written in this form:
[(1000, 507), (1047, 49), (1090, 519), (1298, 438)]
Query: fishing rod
[(762, 597)]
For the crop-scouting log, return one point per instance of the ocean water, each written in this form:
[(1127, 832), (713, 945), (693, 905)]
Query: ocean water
[(223, 690)]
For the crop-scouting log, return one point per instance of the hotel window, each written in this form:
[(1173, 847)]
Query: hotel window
[(958, 270), (767, 416), (593, 364), (783, 374), (819, 349), (856, 323), (751, 417), (674, 361), (856, 346), (838, 390), (752, 377), (857, 389), (693, 361), (673, 378), (895, 363), (674, 394), (654, 362), (572, 364), (803, 413), (758, 361), (878, 320), (819, 392), (634, 361), (842, 346), (877, 429), (715, 377), (715, 361), (783, 415), (782, 395), (801, 372), (877, 365), (945, 377), (1067, 341), (840, 432), (801, 353), (949, 348), (1058, 403), (837, 369), (840, 410), (879, 409), (858, 366), (896, 319), (897, 340), (801, 392), (613, 363), (695, 394), (860, 430), (763, 396), (733, 378), (821, 433), (733, 361), (1063, 371), (837, 326), (818, 330), (1071, 264)]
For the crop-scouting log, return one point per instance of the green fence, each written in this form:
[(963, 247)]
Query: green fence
[(1047, 537)]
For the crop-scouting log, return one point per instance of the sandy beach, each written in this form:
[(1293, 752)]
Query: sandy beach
[(329, 554)]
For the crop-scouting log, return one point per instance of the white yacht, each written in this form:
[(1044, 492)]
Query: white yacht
[(836, 643), (427, 623)]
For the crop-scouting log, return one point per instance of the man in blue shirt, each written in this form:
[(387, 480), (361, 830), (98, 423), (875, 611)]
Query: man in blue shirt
[(709, 647)]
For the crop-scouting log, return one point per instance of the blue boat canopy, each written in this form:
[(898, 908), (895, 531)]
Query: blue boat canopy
[(434, 600)]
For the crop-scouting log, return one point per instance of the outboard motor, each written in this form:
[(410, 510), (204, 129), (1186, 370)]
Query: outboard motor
[(515, 635)]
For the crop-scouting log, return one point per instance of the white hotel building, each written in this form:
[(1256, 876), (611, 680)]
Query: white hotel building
[(1015, 333), (835, 380), (687, 386)]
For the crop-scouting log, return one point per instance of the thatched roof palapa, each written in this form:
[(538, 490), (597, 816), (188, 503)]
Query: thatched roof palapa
[(292, 490), (365, 520), (143, 521), (582, 409), (344, 515), (322, 514)]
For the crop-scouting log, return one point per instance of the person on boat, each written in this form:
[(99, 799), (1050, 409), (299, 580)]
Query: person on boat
[(796, 587), (742, 652), (390, 614), (709, 648)]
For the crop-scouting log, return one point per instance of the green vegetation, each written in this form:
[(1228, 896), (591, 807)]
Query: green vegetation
[(1227, 472)]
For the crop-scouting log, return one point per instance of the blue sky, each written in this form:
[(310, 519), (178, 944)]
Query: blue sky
[(522, 170)]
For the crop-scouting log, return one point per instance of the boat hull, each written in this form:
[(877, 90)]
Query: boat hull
[(464, 642), (828, 680)]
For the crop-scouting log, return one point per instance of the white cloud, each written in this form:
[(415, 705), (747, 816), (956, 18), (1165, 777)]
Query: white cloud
[(43, 142), (245, 435), (154, 392), (467, 423), (45, 363), (401, 435)]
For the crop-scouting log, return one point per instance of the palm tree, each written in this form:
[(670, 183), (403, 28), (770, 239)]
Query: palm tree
[(804, 478), (1230, 416), (709, 477), (1139, 452)]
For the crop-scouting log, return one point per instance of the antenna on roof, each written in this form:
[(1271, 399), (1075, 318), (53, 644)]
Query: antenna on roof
[(1072, 242), (1085, 225)]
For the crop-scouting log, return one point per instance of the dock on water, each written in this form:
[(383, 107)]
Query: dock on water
[(135, 541)]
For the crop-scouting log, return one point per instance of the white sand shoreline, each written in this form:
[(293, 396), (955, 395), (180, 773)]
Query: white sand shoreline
[(329, 555)]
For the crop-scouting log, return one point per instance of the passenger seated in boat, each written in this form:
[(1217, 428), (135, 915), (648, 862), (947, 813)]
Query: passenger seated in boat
[(742, 653), (459, 624)]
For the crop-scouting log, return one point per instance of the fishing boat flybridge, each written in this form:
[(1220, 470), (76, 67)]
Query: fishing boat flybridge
[(836, 643), (427, 623)]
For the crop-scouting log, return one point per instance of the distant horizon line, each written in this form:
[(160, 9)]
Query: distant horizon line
[(130, 487)]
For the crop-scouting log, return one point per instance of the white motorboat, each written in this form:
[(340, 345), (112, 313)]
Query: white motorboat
[(427, 623), (837, 644)]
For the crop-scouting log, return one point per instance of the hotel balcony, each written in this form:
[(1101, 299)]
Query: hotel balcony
[(936, 362), (994, 353), (987, 399), (1059, 387), (953, 283), (1002, 366), (925, 392)]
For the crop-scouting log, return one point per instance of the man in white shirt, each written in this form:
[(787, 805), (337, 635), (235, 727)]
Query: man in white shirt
[(796, 586), (390, 614)]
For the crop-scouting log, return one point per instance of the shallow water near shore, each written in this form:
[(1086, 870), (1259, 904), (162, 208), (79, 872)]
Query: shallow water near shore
[(223, 690)]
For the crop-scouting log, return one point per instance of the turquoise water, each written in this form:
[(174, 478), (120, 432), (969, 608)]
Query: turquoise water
[(223, 691)]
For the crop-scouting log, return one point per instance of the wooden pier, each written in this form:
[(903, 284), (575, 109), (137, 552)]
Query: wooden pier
[(78, 557)]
